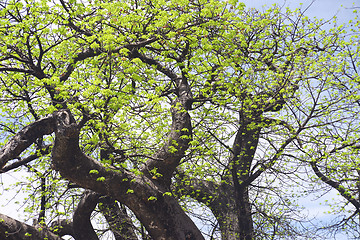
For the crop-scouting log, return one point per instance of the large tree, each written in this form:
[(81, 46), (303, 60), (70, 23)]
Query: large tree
[(135, 110)]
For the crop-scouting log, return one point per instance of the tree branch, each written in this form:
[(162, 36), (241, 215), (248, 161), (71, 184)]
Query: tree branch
[(161, 214), (336, 186), (11, 229), (25, 160), (62, 228), (174, 149), (83, 229), (25, 137)]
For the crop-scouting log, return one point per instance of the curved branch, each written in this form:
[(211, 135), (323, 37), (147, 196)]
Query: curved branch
[(76, 166), (181, 129), (174, 149), (88, 53), (62, 227), (25, 137), (336, 186), (161, 214), (19, 163), (161, 68), (25, 160), (82, 216)]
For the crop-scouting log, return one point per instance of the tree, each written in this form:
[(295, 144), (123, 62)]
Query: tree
[(136, 109), (335, 158)]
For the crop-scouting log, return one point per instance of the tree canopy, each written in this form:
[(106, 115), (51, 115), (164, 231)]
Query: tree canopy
[(191, 119)]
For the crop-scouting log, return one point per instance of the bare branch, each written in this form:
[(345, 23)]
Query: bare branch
[(336, 185)]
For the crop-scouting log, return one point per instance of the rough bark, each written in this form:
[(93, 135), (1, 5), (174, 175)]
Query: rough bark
[(11, 229)]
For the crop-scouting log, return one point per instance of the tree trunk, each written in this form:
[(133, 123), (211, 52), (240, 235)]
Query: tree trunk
[(245, 221), (244, 148), (161, 214), (120, 223)]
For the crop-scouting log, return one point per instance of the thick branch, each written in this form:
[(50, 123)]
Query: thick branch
[(19, 163), (26, 160), (174, 149), (169, 73), (24, 138), (83, 229), (62, 227), (162, 215), (244, 148), (11, 229), (180, 133)]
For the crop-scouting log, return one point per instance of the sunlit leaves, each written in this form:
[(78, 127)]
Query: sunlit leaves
[(120, 67)]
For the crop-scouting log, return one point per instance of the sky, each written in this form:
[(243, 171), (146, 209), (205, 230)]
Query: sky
[(320, 8)]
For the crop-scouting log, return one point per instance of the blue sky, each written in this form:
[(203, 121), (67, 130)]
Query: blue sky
[(319, 8)]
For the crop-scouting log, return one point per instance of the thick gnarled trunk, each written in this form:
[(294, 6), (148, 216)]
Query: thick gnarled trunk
[(162, 215)]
